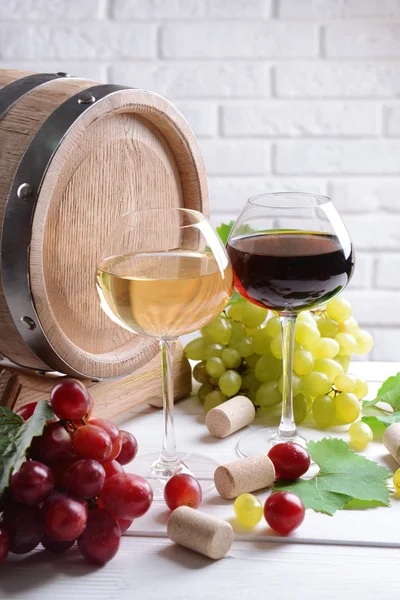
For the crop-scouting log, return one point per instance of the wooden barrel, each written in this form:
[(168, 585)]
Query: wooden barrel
[(74, 155)]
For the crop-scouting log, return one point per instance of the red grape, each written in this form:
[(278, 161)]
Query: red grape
[(24, 525), (33, 482), (59, 467), (91, 441), (112, 468), (4, 544), (99, 542), (54, 443), (126, 496), (27, 410), (70, 399), (55, 546), (129, 448), (85, 478), (113, 432), (124, 524), (65, 518), (290, 460), (284, 512), (182, 490)]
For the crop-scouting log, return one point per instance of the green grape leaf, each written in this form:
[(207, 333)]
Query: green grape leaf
[(380, 421), (224, 230), (389, 392), (19, 436), (382, 417), (343, 476)]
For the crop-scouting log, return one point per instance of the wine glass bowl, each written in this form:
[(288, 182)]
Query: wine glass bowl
[(289, 252)]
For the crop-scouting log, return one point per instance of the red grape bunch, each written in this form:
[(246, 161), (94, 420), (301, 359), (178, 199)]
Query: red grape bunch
[(73, 488)]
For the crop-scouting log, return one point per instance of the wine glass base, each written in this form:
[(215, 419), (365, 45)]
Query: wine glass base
[(200, 466), (260, 442)]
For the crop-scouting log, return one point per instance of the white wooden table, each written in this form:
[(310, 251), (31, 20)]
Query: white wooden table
[(151, 567)]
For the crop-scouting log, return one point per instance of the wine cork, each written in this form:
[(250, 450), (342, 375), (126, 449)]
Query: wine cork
[(244, 476), (200, 532), (391, 440), (230, 416)]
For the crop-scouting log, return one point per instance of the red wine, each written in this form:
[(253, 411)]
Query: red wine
[(289, 271)]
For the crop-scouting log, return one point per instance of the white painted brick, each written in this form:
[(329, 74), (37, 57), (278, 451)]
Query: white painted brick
[(190, 9), (391, 116), (374, 231), (236, 157), (54, 10), (238, 40), (197, 79), (379, 40), (99, 41), (386, 343), (375, 307), (202, 116), (363, 196), (387, 270), (90, 70), (354, 157), (362, 277), (229, 194), (337, 80), (336, 9), (300, 120)]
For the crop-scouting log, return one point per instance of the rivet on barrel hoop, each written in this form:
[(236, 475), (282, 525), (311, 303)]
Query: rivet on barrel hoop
[(24, 191), (62, 74), (28, 323), (86, 99)]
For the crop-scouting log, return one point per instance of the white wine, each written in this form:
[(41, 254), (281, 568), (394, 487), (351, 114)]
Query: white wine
[(164, 294)]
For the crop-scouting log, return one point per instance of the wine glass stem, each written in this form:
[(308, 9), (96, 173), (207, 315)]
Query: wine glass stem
[(287, 427), (169, 455)]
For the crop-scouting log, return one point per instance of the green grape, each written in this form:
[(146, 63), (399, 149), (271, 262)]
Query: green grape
[(364, 341), (324, 411), (248, 510), (213, 351), (261, 341), (250, 384), (329, 366), (196, 349), (361, 389), (199, 372), (303, 362), (344, 361), (345, 382), (220, 329), (244, 347), (252, 360), (203, 390), (300, 408), (238, 333), (206, 336), (316, 384), (235, 312), (360, 435), (347, 344), (276, 346), (268, 394), (325, 347), (347, 408), (307, 317), (306, 334), (231, 358), (213, 399), (338, 309), (296, 384), (273, 326), (349, 326), (327, 327), (215, 367), (253, 315), (267, 368), (230, 383), (396, 480)]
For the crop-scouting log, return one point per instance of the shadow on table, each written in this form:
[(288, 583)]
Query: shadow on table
[(184, 557)]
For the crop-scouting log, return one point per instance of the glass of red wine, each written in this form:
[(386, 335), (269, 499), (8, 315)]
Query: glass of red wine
[(289, 252)]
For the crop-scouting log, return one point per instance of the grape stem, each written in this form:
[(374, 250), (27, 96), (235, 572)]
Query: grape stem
[(287, 428)]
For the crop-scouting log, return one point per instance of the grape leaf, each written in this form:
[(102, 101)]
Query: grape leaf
[(19, 438), (343, 476), (9, 425), (389, 393), (224, 230)]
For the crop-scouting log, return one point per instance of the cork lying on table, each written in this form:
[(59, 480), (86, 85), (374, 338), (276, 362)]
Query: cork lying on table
[(244, 476), (230, 416), (391, 440), (200, 532)]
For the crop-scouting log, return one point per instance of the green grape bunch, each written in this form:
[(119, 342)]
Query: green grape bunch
[(240, 352)]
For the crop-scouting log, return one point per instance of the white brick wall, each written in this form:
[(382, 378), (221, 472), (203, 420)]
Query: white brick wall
[(297, 95)]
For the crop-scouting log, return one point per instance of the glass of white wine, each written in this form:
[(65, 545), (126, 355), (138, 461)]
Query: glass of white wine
[(163, 273)]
